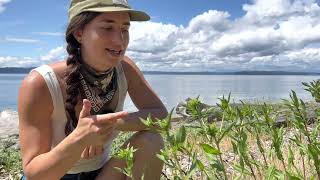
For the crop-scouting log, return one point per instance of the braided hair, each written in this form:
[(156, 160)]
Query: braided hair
[(73, 66)]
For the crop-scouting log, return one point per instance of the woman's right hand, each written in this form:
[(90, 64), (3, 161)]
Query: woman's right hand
[(96, 129)]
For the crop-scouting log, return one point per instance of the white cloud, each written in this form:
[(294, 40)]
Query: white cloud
[(49, 33), (272, 35), (151, 36), (10, 61), (210, 21), (2, 3), (21, 40), (54, 54)]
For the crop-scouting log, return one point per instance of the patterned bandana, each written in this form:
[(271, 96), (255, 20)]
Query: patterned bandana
[(98, 88)]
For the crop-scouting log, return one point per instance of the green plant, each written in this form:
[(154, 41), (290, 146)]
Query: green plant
[(126, 155), (314, 88), (10, 162), (261, 149), (252, 132)]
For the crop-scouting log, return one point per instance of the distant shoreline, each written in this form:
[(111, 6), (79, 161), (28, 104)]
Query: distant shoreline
[(14, 70)]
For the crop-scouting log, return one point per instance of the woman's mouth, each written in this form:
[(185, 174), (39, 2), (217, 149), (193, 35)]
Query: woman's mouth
[(114, 53)]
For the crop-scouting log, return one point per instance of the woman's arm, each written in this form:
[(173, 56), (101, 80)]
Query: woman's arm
[(144, 98), (35, 109)]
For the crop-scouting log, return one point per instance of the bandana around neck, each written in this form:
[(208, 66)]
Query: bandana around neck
[(98, 87)]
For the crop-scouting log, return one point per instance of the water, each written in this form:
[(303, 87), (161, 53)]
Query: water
[(9, 88), (173, 89)]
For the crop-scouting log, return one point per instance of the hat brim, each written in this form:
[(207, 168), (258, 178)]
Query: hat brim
[(134, 14)]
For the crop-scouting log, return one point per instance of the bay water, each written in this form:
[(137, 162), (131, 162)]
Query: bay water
[(173, 89)]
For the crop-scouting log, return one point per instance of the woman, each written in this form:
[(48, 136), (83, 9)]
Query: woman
[(70, 111)]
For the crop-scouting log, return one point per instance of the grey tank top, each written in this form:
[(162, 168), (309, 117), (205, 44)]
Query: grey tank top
[(59, 119)]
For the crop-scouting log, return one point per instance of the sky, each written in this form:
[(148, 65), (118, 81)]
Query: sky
[(192, 35)]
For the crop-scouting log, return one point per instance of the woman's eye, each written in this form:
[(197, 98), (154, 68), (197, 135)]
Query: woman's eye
[(108, 28)]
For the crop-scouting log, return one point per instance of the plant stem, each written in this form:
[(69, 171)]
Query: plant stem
[(303, 167), (181, 171), (251, 169), (220, 157), (258, 169)]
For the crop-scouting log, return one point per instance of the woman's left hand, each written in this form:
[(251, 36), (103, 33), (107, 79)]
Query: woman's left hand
[(92, 151)]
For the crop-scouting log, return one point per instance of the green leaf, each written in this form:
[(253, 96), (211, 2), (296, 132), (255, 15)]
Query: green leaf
[(200, 165), (181, 135), (210, 150), (218, 166), (271, 173), (162, 158), (212, 129), (234, 147), (242, 170), (292, 177), (147, 122), (290, 156), (226, 131), (194, 107)]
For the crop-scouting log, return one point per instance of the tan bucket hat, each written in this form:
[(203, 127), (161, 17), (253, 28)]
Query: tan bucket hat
[(79, 6)]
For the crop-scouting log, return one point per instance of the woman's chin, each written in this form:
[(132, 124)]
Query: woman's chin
[(110, 63), (114, 60)]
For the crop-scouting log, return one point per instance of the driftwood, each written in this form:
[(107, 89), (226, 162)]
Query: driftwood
[(282, 117), (311, 116)]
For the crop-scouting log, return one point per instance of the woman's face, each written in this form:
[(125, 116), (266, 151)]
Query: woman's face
[(104, 40)]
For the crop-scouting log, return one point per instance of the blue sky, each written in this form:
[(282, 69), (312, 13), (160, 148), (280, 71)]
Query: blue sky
[(23, 19), (180, 12), (193, 35)]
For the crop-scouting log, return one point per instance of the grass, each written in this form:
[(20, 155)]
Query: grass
[(10, 161)]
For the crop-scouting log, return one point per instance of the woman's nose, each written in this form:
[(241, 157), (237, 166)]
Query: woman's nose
[(118, 39)]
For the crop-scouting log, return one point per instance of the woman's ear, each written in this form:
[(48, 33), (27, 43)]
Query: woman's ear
[(78, 35)]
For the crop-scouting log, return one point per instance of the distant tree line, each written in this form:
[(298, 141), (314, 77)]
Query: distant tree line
[(15, 70), (19, 70)]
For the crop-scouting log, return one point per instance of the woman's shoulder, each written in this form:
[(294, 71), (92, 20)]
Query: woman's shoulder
[(34, 93), (131, 71), (35, 86), (130, 67), (59, 68)]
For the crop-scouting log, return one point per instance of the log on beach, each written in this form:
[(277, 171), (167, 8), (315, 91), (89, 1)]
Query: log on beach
[(282, 118)]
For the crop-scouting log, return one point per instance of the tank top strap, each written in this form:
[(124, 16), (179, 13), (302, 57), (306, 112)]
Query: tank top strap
[(53, 85), (123, 87)]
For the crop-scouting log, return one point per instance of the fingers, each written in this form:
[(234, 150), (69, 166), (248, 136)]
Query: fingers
[(111, 117), (86, 108), (92, 151), (85, 153)]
